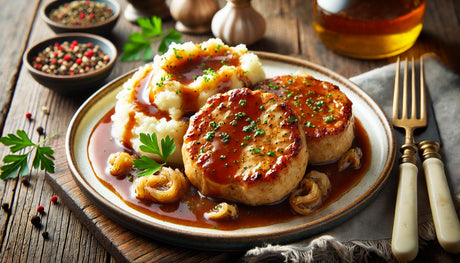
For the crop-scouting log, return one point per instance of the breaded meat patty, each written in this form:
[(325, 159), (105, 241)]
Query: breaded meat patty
[(245, 146), (324, 112)]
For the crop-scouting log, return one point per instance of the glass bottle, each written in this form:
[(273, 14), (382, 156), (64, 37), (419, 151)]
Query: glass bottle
[(368, 29)]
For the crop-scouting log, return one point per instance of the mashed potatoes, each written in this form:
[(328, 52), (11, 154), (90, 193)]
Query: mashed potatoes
[(160, 97)]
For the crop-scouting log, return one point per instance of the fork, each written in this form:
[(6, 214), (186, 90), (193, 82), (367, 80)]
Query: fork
[(404, 243)]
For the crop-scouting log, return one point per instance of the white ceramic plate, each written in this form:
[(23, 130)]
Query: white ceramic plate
[(365, 109)]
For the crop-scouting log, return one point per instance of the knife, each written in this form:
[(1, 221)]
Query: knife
[(445, 217)]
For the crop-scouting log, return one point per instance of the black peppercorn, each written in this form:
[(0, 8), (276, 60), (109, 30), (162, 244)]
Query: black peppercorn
[(25, 181), (40, 130), (6, 207), (45, 235), (35, 220)]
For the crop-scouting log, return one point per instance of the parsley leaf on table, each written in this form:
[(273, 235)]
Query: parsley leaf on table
[(17, 164), (150, 145), (140, 43)]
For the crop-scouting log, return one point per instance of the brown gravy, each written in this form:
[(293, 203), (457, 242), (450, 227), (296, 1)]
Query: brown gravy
[(190, 209)]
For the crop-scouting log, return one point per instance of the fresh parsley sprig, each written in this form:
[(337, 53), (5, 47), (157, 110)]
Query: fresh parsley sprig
[(150, 145), (141, 43), (15, 164)]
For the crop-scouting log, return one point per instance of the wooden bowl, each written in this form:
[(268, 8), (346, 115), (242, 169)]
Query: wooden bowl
[(101, 28), (72, 84)]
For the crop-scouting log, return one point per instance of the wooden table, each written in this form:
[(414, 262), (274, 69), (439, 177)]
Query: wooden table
[(79, 232)]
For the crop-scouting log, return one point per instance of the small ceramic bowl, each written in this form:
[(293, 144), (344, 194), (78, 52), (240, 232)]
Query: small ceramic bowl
[(101, 28), (72, 84)]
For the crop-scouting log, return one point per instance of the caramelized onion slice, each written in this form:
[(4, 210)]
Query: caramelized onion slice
[(312, 191), (351, 157), (222, 211), (121, 163), (165, 187)]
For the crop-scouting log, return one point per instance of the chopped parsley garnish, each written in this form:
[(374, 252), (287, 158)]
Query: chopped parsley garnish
[(319, 103), (250, 128), (259, 132), (210, 135), (329, 118), (292, 120), (240, 115), (309, 124), (209, 72), (255, 150), (214, 125), (273, 86), (225, 137)]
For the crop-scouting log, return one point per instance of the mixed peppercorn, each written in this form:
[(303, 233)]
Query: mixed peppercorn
[(70, 58), (81, 13)]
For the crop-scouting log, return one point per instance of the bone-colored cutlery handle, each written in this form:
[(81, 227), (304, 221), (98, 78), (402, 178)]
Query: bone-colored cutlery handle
[(445, 217), (404, 242)]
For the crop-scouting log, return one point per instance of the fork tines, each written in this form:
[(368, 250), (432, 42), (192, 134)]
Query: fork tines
[(421, 96)]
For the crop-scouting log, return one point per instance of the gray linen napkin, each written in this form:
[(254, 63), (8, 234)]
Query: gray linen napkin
[(370, 230)]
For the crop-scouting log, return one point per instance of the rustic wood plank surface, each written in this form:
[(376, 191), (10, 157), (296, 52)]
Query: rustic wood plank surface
[(78, 231)]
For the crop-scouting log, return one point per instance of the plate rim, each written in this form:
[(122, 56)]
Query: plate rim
[(220, 242)]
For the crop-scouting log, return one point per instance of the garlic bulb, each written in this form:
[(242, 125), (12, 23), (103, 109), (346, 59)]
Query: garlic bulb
[(193, 16), (238, 23)]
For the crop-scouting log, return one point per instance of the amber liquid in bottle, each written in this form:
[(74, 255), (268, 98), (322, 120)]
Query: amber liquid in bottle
[(368, 29)]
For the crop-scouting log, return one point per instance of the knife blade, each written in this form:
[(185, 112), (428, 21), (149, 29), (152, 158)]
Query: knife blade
[(431, 131)]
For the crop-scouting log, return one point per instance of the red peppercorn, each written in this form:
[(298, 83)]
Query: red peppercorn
[(56, 44), (91, 15), (78, 61), (109, 9), (88, 2), (89, 53), (40, 209), (82, 15), (54, 199), (66, 57), (74, 43), (28, 115)]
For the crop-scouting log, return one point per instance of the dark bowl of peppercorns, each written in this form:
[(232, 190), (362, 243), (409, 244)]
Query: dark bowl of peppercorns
[(94, 16), (71, 63)]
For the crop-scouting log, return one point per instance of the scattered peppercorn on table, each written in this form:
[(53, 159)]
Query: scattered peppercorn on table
[(47, 218)]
